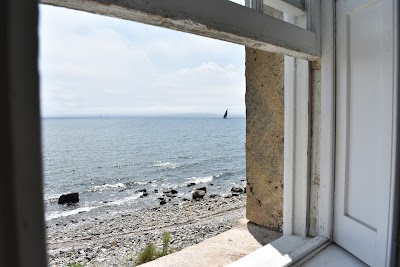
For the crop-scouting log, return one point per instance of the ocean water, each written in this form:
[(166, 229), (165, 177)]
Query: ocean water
[(106, 160)]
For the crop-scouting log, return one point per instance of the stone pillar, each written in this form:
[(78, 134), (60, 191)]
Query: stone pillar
[(264, 137)]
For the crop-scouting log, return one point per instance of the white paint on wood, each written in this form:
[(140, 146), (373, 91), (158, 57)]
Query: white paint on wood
[(289, 7), (296, 147), (365, 123), (327, 144), (219, 19), (284, 251), (334, 256)]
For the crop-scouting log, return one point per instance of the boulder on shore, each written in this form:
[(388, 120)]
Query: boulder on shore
[(191, 184), (141, 190), (198, 194), (68, 198), (174, 192), (236, 189), (202, 188)]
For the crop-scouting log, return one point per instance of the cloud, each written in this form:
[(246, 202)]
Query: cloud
[(94, 65)]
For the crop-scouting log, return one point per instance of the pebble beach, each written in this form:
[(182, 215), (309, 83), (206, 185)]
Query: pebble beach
[(107, 238)]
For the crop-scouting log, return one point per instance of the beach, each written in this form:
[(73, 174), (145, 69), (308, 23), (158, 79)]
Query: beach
[(113, 238)]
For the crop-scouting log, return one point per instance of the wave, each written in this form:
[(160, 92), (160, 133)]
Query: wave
[(52, 197), (123, 200), (107, 186), (200, 180), (224, 174), (133, 183), (169, 165), (57, 214)]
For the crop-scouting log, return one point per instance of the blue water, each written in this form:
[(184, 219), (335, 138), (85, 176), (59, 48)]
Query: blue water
[(107, 159)]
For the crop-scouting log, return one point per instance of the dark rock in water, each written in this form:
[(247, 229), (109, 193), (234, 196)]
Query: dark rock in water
[(214, 195), (161, 198), (211, 184), (235, 194), (185, 199), (244, 190), (198, 194), (202, 188), (173, 191), (155, 190), (141, 190), (236, 189), (163, 202), (68, 198), (167, 191), (145, 194), (191, 184), (170, 195)]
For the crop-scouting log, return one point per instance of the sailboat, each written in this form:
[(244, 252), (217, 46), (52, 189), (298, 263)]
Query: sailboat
[(226, 114)]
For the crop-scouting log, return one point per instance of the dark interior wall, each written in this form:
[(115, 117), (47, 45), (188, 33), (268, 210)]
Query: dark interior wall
[(22, 235)]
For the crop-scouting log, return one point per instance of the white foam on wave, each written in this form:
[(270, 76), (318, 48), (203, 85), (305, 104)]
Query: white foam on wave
[(170, 165), (58, 214), (123, 200), (199, 180), (108, 186), (52, 197)]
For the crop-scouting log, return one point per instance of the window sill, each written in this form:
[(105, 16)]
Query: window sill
[(284, 251)]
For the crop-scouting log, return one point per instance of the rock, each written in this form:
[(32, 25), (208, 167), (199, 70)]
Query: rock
[(236, 189), (145, 194), (155, 190), (185, 199), (214, 195), (68, 198), (191, 184), (202, 188), (170, 195), (162, 202), (141, 190), (173, 191), (161, 198), (227, 195), (235, 194), (198, 194)]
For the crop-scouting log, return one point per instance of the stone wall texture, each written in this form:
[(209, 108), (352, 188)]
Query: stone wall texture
[(264, 137)]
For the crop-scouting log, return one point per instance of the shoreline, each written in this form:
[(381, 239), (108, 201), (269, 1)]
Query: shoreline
[(115, 238)]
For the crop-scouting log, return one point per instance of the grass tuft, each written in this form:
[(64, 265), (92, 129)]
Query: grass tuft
[(150, 252)]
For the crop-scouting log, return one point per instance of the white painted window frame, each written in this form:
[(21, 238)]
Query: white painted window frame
[(219, 19)]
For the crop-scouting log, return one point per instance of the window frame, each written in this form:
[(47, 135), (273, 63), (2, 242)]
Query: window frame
[(190, 16)]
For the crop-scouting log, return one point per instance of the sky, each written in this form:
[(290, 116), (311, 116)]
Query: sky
[(92, 65)]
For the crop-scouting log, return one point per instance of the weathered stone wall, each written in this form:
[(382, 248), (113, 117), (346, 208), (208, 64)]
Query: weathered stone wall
[(264, 137)]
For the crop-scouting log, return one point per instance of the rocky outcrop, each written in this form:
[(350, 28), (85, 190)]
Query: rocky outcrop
[(236, 189), (202, 188), (198, 194), (69, 198)]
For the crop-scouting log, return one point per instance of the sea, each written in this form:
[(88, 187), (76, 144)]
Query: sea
[(109, 160)]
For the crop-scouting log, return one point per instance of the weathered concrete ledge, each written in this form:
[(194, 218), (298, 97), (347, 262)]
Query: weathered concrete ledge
[(222, 249)]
